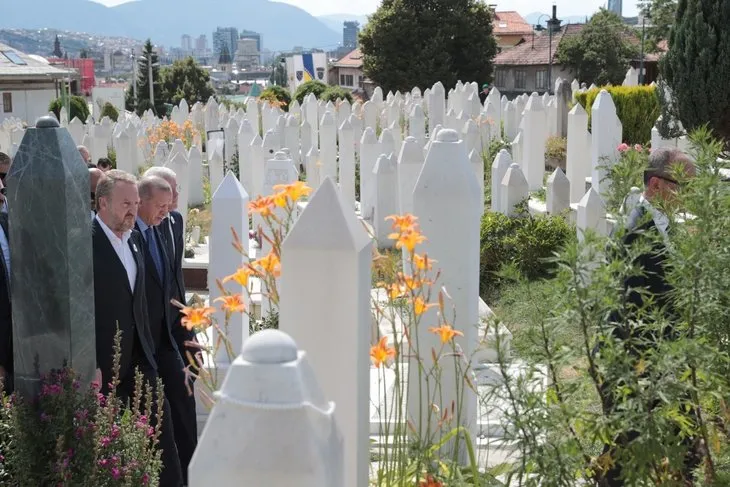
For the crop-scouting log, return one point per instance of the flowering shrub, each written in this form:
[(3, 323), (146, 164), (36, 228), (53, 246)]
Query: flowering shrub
[(626, 173), (73, 437), (169, 132)]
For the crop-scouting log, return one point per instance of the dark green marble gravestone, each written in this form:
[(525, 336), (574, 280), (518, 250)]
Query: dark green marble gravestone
[(52, 287)]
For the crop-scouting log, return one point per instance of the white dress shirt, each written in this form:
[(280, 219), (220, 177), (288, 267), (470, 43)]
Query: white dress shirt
[(121, 247)]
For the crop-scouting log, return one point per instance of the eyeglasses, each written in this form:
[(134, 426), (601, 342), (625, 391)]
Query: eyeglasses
[(652, 174)]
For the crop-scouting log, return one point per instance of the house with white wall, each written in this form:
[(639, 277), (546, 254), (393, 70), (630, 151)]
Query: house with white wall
[(347, 72), (27, 84)]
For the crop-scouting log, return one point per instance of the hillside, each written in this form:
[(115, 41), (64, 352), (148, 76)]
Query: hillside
[(283, 26)]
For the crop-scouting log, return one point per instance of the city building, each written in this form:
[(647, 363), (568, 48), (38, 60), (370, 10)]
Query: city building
[(186, 43), (201, 44), (225, 36), (28, 84), (247, 54), (249, 34), (350, 32), (347, 72), (616, 6)]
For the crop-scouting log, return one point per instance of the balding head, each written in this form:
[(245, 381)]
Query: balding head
[(85, 154), (95, 175)]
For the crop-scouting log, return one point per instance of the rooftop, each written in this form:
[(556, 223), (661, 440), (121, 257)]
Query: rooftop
[(351, 60), (14, 63), (536, 52), (510, 23)]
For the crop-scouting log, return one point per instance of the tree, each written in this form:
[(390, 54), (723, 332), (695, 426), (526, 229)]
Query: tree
[(313, 86), (186, 80), (601, 52), (79, 108), (84, 54), (143, 84), (109, 110), (334, 93), (411, 43), (278, 95), (660, 16), (57, 47), (697, 66)]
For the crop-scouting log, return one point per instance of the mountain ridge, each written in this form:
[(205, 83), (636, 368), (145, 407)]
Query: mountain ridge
[(282, 26)]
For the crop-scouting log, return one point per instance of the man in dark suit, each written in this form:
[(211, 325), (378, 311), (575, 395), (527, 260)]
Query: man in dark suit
[(646, 292), (6, 323), (155, 198), (120, 301)]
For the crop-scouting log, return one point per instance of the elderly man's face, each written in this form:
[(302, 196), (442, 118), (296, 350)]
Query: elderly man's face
[(662, 188)]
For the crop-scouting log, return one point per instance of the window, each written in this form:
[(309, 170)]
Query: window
[(346, 80), (7, 103), (359, 81), (14, 58), (520, 79), (500, 78), (541, 79)]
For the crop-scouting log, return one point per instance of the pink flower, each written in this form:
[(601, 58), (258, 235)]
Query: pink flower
[(103, 462), (116, 474), (115, 431), (145, 479), (105, 441), (150, 432), (623, 147), (638, 148)]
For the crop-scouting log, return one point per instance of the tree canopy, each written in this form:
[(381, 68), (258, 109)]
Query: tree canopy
[(660, 16), (697, 66), (601, 52), (409, 43), (186, 80)]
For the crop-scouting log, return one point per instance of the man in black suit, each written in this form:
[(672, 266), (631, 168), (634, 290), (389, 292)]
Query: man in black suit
[(156, 195), (646, 292), (6, 323), (120, 301)]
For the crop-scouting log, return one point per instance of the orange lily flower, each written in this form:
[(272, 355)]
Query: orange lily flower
[(423, 263), (240, 276), (269, 265), (261, 205), (294, 191), (408, 238), (402, 222), (232, 303), (279, 199), (446, 332), (420, 306), (198, 317), (381, 352)]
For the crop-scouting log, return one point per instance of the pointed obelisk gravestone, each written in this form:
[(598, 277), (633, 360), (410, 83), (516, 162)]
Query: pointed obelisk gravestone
[(328, 240), (51, 273), (230, 213), (501, 163), (558, 192)]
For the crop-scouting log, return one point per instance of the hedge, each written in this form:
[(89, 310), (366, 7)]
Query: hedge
[(79, 108), (637, 108)]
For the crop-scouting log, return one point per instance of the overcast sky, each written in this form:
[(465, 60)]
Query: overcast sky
[(364, 7)]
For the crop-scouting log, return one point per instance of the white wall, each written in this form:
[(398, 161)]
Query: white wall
[(354, 72), (28, 105), (101, 95)]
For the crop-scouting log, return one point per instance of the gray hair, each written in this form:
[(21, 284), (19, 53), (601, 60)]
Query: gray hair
[(661, 161), (115, 176), (149, 185), (161, 172)]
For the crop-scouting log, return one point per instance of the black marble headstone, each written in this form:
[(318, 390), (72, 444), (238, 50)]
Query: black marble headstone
[(52, 287)]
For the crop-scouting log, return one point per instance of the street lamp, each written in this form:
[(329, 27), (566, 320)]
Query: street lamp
[(552, 24), (643, 39), (134, 76)]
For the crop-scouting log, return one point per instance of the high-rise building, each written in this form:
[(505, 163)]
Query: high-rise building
[(350, 32), (248, 56), (249, 34), (616, 6), (186, 43), (225, 36), (201, 43)]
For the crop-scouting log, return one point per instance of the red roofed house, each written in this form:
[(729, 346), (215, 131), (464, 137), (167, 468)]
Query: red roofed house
[(510, 29), (524, 68), (347, 72)]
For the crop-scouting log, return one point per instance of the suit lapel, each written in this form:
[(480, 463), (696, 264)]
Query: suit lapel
[(99, 234)]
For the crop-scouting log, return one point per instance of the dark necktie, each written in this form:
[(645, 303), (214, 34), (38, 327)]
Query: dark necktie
[(154, 251)]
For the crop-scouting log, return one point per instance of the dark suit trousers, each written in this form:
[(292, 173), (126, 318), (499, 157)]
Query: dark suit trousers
[(171, 475), (182, 405)]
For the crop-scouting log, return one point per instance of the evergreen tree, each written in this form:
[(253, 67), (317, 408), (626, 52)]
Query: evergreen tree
[(84, 54), (660, 16), (697, 66), (143, 84), (411, 43)]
